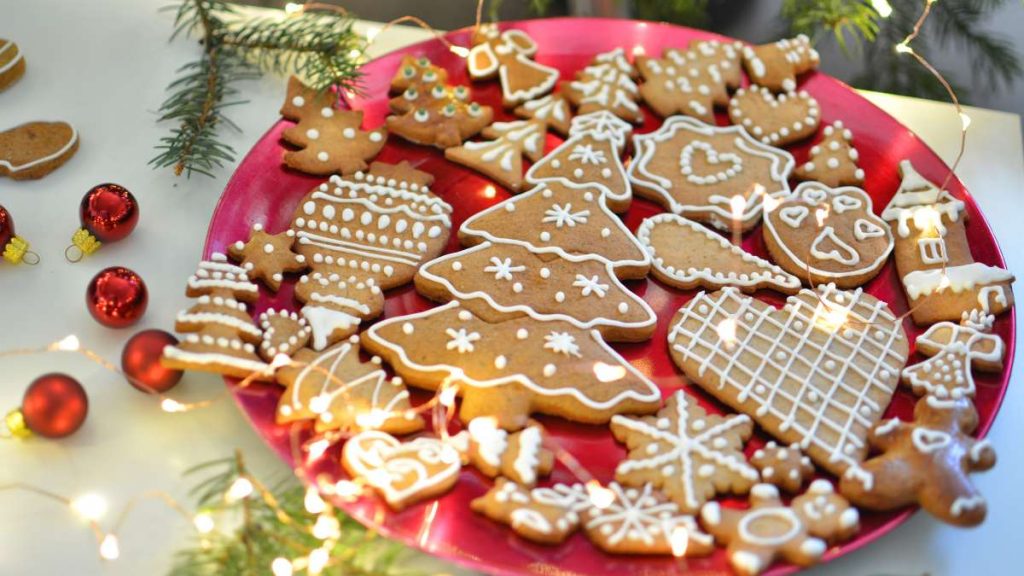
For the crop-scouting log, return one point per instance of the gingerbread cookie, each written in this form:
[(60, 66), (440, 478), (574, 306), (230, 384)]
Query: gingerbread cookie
[(725, 56), (674, 84), (507, 55), (341, 392), (590, 156), (553, 110), (542, 515), (33, 150), (819, 372), (776, 65), (563, 219), (519, 456), (823, 234), (687, 255), (381, 225), (925, 462), (334, 305), (697, 170), (770, 530), (933, 257), (786, 467), (607, 84), (826, 514), (403, 473), (283, 333), (12, 64), (955, 351), (643, 521), (513, 368), (221, 336), (833, 161), (500, 280), (500, 158), (417, 71), (268, 257), (687, 453), (775, 119), (329, 138)]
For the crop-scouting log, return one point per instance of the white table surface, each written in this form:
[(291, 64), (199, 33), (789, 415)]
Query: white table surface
[(102, 65)]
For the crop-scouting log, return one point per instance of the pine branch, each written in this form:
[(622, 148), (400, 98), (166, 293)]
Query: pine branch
[(844, 20)]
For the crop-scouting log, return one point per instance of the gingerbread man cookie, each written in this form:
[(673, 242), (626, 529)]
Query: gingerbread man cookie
[(833, 161), (12, 64), (697, 170), (542, 515), (507, 55), (607, 84), (955, 351), (496, 281), (775, 119), (519, 456), (268, 257), (553, 110), (784, 466), (687, 255), (341, 392), (925, 462), (283, 333), (33, 150), (403, 473), (513, 368), (329, 139), (770, 530), (822, 234), (776, 65), (687, 453), (501, 158), (820, 371)]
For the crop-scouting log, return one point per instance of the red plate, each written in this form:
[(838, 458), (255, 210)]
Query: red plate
[(261, 190)]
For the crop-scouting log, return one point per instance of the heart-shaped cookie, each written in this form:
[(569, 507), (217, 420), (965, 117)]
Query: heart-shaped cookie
[(777, 120), (403, 472), (819, 372)]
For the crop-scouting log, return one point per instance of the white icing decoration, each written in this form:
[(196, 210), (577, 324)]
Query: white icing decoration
[(841, 252), (43, 159), (964, 277), (385, 463)]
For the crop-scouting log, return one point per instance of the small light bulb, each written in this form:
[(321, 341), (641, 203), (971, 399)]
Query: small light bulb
[(347, 489), (447, 396), (170, 405), (965, 120), (833, 318), (326, 527), (490, 192), (317, 448), (883, 7), (738, 204), (203, 522), (354, 53), (680, 541), (318, 404), (460, 51), (372, 420), (109, 548), (371, 33), (280, 361), (770, 204), (90, 507), (68, 344), (239, 489), (292, 8), (600, 496), (608, 372), (902, 48), (281, 567), (313, 502), (638, 50), (727, 330), (943, 282), (317, 561)]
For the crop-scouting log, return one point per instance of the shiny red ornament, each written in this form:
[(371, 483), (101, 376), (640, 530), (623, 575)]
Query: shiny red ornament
[(108, 213), (117, 297), (55, 405), (140, 362), (13, 248)]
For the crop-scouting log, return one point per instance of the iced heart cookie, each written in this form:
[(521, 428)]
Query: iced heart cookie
[(403, 473), (501, 157), (511, 369), (590, 156), (560, 218), (553, 110), (33, 150), (687, 255), (819, 372), (12, 64), (697, 170), (606, 84), (933, 257), (519, 456), (925, 462), (833, 161), (687, 453), (769, 530), (954, 352), (785, 467), (334, 305), (822, 234), (776, 120), (330, 140), (497, 281), (283, 333), (776, 65), (339, 391), (268, 257), (507, 55)]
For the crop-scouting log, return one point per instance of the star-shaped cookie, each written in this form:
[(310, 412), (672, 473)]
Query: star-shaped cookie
[(268, 257)]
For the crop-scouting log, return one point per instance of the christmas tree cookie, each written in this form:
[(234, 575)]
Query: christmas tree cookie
[(607, 84), (833, 161), (501, 157), (553, 110)]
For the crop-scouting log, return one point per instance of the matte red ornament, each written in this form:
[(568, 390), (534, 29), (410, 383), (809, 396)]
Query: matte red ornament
[(117, 297), (13, 248), (55, 405), (140, 362), (108, 213)]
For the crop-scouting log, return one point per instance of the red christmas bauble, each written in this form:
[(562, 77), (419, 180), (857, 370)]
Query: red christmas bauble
[(140, 361), (109, 212), (55, 405), (6, 227), (117, 297)]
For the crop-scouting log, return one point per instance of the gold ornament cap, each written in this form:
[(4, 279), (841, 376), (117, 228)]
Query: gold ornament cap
[(16, 425)]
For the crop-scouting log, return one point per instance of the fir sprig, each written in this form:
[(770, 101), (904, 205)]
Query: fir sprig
[(259, 534), (319, 47), (844, 20)]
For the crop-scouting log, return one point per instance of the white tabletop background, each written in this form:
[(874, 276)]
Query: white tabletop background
[(102, 65)]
